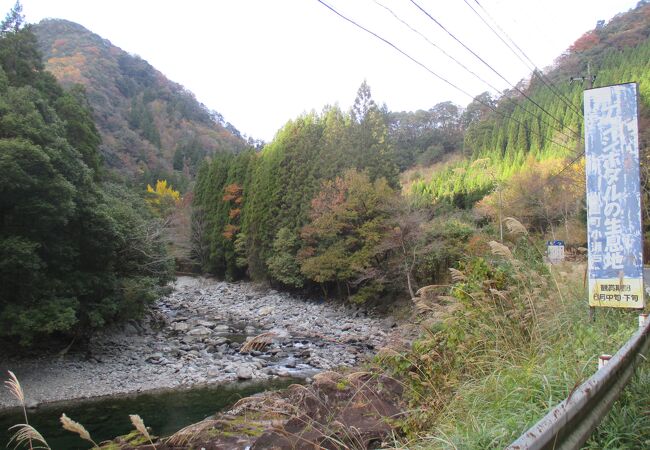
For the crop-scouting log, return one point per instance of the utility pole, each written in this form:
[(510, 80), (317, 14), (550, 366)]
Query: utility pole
[(500, 219), (589, 78)]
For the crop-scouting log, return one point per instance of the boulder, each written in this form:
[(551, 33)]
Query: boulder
[(244, 373)]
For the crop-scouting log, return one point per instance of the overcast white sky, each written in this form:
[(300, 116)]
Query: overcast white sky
[(263, 62)]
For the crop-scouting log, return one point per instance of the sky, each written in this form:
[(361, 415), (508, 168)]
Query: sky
[(261, 63)]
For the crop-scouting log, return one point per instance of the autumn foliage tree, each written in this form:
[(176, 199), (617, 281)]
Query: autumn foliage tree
[(233, 195), (163, 198), (546, 197), (348, 221)]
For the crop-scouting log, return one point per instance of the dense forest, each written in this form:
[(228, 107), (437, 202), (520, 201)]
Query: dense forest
[(321, 206), (365, 204), (77, 251)]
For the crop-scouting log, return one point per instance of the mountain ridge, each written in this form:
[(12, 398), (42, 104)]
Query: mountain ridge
[(149, 125)]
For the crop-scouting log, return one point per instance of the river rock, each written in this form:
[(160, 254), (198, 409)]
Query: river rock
[(180, 326), (192, 347), (154, 358), (200, 331), (244, 373), (265, 310)]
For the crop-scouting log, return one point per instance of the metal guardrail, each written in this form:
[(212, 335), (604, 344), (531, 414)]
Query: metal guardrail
[(569, 424)]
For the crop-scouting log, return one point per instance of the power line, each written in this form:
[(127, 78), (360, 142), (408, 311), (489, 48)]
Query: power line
[(536, 70), (569, 164), (485, 62), (540, 74), (402, 52), (487, 83)]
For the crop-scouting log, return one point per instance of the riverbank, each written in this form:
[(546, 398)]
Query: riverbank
[(193, 337)]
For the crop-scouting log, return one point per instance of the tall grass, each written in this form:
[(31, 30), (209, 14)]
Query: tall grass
[(515, 344), (628, 424), (26, 436)]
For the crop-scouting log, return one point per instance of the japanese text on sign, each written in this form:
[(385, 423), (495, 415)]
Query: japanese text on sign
[(613, 197)]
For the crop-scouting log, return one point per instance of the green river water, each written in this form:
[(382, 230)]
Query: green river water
[(164, 412)]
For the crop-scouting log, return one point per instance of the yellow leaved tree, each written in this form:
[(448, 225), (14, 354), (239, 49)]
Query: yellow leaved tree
[(163, 198)]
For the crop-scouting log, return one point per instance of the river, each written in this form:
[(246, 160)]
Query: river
[(165, 412), (192, 338)]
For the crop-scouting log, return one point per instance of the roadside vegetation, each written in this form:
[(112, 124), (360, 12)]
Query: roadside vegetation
[(505, 343)]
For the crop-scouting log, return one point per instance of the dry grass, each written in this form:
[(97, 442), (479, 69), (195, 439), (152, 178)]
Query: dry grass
[(514, 226), (76, 427), (500, 250), (138, 423), (184, 436), (271, 403), (456, 275), (26, 435), (14, 387), (258, 343)]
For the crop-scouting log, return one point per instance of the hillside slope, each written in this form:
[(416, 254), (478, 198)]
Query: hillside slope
[(148, 123), (511, 131)]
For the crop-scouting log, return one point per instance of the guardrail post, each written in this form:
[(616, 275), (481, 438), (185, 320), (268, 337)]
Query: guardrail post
[(603, 360)]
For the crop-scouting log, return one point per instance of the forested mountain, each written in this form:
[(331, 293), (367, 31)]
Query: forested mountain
[(424, 137), (511, 131), (76, 252), (149, 125), (321, 205)]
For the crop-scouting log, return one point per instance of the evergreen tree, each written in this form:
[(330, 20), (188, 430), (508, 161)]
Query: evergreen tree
[(74, 255)]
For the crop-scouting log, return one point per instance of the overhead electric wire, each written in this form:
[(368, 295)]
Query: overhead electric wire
[(436, 45), (487, 83), (486, 63), (569, 164), (403, 53), (536, 70), (540, 73)]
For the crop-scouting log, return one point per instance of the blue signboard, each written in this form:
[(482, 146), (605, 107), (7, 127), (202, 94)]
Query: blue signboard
[(613, 197)]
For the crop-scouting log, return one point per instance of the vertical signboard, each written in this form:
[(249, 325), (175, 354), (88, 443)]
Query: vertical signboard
[(613, 197)]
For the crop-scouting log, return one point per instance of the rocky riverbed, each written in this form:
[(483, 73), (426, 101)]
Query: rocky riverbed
[(194, 336)]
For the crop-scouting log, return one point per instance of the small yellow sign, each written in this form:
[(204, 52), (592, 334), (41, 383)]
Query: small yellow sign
[(616, 292)]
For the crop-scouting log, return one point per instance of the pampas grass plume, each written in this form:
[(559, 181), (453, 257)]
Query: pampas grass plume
[(14, 387), (26, 433), (138, 423), (514, 226), (76, 427), (500, 250)]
